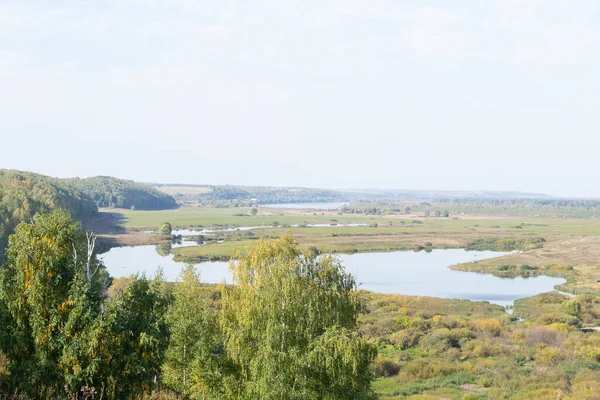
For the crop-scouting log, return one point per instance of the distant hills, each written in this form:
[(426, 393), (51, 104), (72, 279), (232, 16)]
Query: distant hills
[(24, 194), (107, 191), (267, 195), (407, 194)]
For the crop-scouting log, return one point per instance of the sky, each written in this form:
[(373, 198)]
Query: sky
[(445, 95)]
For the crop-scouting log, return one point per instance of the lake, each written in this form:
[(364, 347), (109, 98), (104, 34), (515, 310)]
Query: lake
[(307, 206), (403, 272)]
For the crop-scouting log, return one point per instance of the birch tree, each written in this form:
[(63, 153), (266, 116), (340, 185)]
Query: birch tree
[(191, 360), (290, 324)]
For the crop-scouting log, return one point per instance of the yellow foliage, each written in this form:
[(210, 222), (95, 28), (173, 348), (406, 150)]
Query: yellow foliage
[(557, 267), (489, 325), (589, 352), (585, 390), (558, 326), (550, 355)]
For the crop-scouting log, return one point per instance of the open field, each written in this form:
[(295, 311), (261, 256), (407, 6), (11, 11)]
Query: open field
[(570, 242), (575, 258), (197, 216)]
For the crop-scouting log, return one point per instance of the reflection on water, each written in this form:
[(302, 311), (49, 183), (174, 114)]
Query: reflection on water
[(427, 274), (192, 232), (410, 273)]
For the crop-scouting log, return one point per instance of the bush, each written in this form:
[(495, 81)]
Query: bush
[(548, 319), (383, 367), (407, 338), (572, 307), (427, 369), (540, 335), (489, 325), (550, 356)]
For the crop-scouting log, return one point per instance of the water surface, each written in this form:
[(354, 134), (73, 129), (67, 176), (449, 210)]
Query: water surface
[(403, 272)]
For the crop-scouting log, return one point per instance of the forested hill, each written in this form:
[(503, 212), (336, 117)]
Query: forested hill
[(24, 194), (120, 193)]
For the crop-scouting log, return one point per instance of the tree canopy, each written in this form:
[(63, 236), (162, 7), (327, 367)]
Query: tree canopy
[(24, 194), (290, 324), (120, 193)]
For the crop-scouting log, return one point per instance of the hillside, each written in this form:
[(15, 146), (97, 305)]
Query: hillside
[(227, 195), (120, 193), (23, 194)]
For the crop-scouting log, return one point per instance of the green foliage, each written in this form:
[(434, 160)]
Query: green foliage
[(120, 193), (192, 362), (290, 325), (24, 194), (48, 300), (572, 307), (506, 244), (165, 229), (57, 337), (138, 335), (385, 367), (252, 195)]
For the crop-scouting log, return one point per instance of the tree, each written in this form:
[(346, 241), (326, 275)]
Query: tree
[(137, 335), (438, 213), (446, 214), (191, 360), (407, 210), (47, 290), (253, 211), (572, 307), (426, 213), (290, 324), (165, 229)]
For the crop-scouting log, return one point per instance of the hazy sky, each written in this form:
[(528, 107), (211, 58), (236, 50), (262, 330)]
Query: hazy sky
[(449, 94)]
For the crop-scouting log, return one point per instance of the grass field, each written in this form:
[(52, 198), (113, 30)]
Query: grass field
[(566, 237), (196, 216)]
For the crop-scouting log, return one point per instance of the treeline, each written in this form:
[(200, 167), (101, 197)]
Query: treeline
[(286, 328), (120, 193), (567, 208), (243, 196), (24, 194)]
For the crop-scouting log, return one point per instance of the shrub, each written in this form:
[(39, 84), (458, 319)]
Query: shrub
[(489, 325), (543, 335), (548, 319), (406, 338), (441, 340), (591, 353), (550, 355), (383, 367), (427, 369), (484, 348), (572, 307)]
